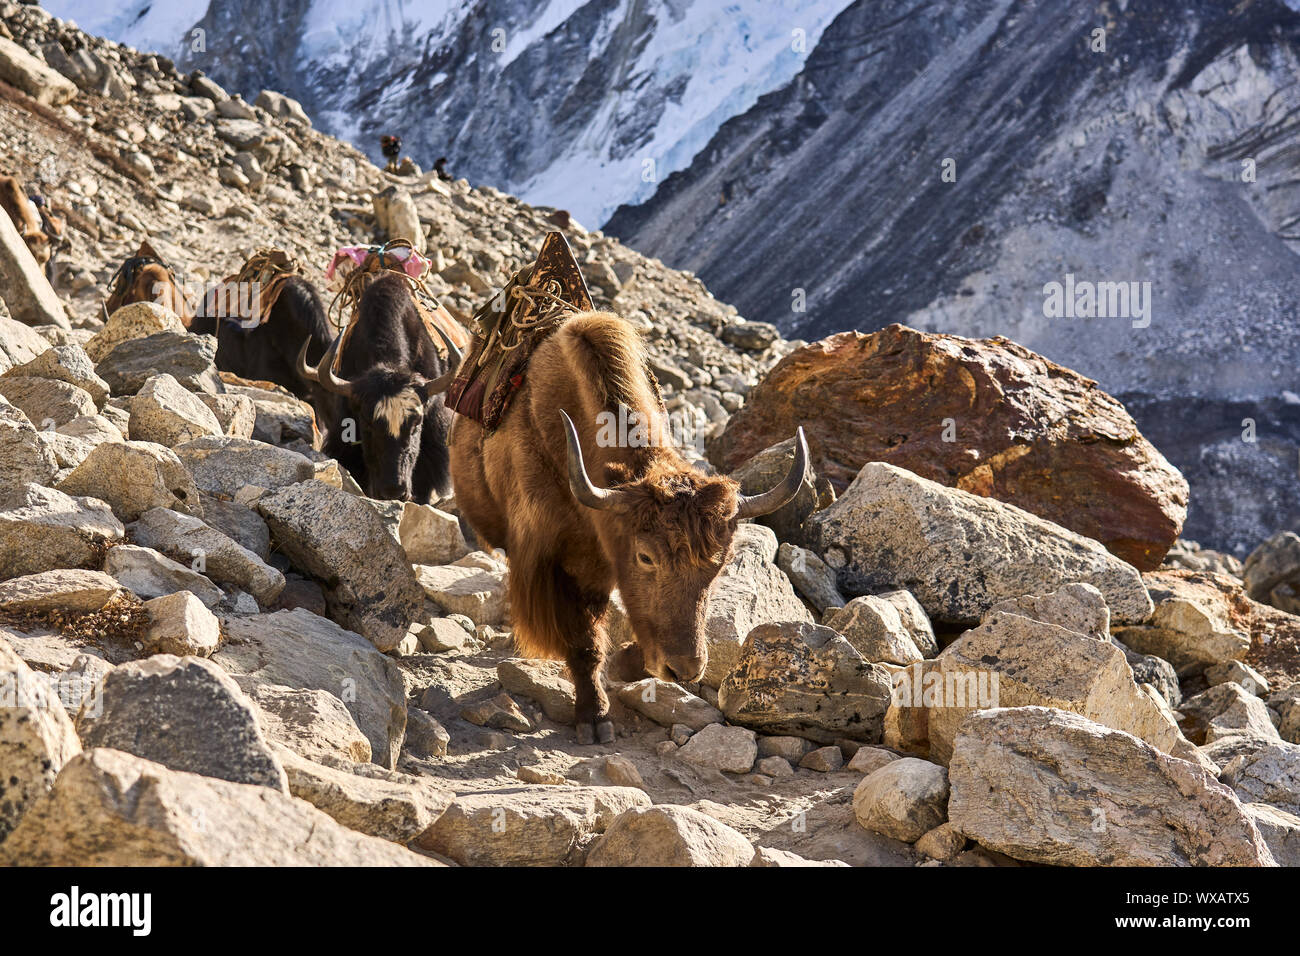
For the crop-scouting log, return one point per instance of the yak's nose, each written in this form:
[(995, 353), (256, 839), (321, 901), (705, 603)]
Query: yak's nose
[(687, 670), (393, 493)]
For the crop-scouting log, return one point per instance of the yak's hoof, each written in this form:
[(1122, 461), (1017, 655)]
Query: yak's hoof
[(590, 732)]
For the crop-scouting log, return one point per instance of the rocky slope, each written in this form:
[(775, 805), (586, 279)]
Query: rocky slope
[(197, 605)]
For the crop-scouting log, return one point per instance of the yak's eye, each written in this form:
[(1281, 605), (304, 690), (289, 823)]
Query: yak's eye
[(645, 560)]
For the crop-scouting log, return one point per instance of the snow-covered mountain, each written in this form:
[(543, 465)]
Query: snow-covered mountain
[(580, 105)]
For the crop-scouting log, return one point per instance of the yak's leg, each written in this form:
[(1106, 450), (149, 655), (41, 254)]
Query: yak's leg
[(579, 615)]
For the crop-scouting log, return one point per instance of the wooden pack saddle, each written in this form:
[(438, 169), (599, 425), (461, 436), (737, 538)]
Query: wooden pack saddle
[(390, 258)]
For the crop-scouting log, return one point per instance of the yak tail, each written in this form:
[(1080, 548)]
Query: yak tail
[(608, 353)]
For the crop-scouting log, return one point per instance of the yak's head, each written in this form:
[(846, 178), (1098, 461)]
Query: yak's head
[(668, 534), (391, 407)]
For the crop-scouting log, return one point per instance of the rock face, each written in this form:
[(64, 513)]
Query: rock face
[(1052, 787), (299, 649), (112, 809), (341, 541), (36, 739), (750, 590), (184, 713), (983, 415), (958, 553), (669, 836), (805, 680)]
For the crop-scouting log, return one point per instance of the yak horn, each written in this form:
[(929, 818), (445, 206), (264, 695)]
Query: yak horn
[(325, 371), (751, 506), (441, 383), (601, 499), (305, 370)]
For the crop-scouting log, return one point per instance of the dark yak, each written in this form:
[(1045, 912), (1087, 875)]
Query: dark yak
[(579, 515), (392, 376)]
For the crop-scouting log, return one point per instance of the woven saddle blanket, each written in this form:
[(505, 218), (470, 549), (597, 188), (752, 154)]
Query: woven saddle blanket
[(510, 326)]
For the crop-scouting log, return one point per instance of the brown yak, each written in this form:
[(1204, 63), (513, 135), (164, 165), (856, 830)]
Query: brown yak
[(146, 278), (650, 524), (25, 219)]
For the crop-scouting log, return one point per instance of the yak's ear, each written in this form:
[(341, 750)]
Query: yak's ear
[(146, 250), (617, 473), (718, 498)]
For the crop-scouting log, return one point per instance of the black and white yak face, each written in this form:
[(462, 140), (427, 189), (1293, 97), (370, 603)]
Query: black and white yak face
[(400, 422)]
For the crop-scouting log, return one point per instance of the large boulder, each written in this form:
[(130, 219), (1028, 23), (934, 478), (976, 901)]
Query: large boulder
[(222, 465), (340, 540), (1016, 661), (959, 553), (984, 415), (109, 808), (30, 74), (302, 650), (749, 591), (67, 590), (64, 363), (1049, 786), (669, 835), (1269, 775), (149, 574), (36, 739), (42, 529), (133, 477), (190, 359), (527, 826), (20, 343), (1196, 623), (24, 456), (905, 799), (388, 805), (165, 413), (479, 593), (47, 402), (808, 681), (312, 723), (135, 321), (187, 539), (185, 713)]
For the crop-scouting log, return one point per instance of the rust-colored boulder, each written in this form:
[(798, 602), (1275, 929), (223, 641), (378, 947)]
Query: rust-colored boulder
[(984, 415)]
